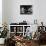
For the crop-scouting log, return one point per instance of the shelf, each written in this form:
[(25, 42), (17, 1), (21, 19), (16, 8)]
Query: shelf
[(12, 32), (16, 32), (19, 25), (19, 32), (17, 28)]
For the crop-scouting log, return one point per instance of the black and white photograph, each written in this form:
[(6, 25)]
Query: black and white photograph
[(25, 9)]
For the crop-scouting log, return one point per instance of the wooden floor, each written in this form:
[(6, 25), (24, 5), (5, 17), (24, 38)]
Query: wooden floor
[(32, 45), (1, 45), (42, 45)]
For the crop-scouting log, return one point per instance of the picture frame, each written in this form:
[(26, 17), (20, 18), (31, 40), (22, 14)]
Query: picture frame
[(26, 9)]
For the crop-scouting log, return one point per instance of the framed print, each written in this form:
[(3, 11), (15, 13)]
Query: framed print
[(25, 9)]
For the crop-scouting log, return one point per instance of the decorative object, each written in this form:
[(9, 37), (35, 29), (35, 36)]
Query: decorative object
[(28, 33), (4, 32), (25, 9), (2, 40), (35, 21)]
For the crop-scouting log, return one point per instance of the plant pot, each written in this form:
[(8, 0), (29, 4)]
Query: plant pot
[(2, 40)]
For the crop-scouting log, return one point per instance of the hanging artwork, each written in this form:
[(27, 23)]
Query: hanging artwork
[(26, 9)]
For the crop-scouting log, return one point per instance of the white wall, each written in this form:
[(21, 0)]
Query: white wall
[(4, 11), (0, 13), (12, 11), (42, 11)]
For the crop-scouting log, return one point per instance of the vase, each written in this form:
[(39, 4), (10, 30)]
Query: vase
[(2, 40)]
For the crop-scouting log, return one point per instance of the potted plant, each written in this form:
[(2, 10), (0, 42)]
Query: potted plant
[(3, 34)]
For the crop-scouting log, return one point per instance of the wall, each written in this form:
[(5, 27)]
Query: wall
[(12, 11), (4, 11), (42, 11), (0, 13)]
